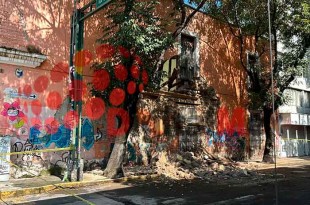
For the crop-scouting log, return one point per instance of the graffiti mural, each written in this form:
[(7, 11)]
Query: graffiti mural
[(88, 138), (14, 113), (20, 146), (231, 134), (234, 122), (4, 148), (61, 137)]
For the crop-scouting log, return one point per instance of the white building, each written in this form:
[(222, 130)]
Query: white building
[(294, 118)]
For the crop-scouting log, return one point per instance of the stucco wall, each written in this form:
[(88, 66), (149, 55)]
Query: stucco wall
[(47, 26)]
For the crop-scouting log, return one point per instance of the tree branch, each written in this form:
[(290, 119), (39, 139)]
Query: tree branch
[(185, 20)]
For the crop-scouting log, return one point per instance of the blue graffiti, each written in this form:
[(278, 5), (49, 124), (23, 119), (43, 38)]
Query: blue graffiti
[(88, 138), (34, 135), (215, 137), (62, 137), (222, 138)]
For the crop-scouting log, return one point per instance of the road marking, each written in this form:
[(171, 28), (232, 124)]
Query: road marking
[(236, 200)]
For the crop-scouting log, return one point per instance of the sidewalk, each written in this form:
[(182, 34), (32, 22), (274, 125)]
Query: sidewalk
[(283, 162), (37, 185), (43, 184)]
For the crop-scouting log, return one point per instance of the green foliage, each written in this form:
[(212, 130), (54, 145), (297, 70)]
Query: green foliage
[(136, 26), (290, 30)]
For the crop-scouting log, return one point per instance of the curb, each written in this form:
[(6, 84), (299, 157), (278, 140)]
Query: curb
[(68, 185)]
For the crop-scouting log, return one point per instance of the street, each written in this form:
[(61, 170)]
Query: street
[(293, 188)]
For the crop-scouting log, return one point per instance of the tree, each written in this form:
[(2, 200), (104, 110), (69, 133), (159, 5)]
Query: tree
[(137, 39), (133, 43), (289, 27), (130, 48)]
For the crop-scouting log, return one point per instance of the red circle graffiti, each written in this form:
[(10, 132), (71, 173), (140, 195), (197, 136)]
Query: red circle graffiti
[(71, 119), (77, 89), (36, 122), (131, 87), (124, 51), (105, 51), (51, 125), (41, 83), (54, 100), (134, 70), (25, 108), (94, 108), (59, 72), (27, 90), (121, 72), (101, 80), (120, 128), (117, 96), (141, 87), (145, 77), (82, 58), (36, 107), (138, 60)]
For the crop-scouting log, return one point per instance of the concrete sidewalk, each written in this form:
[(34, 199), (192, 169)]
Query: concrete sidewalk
[(36, 185), (48, 183), (43, 184)]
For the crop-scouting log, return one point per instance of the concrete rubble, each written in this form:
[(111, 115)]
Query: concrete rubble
[(189, 165)]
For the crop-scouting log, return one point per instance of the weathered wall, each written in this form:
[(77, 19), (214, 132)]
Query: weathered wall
[(219, 61), (46, 24), (172, 123), (41, 122)]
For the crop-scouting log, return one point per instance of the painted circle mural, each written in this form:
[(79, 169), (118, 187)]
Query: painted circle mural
[(145, 77), (124, 52), (54, 100), (134, 70), (59, 72), (82, 58), (121, 72), (131, 87), (101, 80), (94, 108), (27, 90), (105, 51), (51, 125), (36, 107), (41, 83), (117, 96), (77, 90), (71, 119)]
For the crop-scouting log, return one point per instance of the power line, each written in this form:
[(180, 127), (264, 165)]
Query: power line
[(273, 107)]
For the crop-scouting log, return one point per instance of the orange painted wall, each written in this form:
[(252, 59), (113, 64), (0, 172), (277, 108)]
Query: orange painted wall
[(47, 25)]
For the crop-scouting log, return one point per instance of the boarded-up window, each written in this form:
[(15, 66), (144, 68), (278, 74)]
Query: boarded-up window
[(188, 65)]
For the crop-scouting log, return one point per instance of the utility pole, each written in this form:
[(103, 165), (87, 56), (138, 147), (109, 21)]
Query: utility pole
[(76, 76)]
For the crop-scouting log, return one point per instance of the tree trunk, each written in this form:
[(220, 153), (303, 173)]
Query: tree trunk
[(268, 152), (114, 167)]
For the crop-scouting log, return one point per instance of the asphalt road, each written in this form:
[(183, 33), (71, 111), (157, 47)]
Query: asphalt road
[(293, 189)]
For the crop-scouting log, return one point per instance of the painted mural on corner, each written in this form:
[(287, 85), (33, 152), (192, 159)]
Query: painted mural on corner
[(31, 108), (229, 137), (28, 112)]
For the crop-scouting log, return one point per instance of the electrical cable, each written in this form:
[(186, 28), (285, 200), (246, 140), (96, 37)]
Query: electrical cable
[(273, 107)]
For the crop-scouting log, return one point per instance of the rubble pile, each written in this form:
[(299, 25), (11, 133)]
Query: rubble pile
[(189, 165)]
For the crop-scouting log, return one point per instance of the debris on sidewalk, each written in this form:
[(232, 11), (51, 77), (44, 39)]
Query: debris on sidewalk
[(189, 166)]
